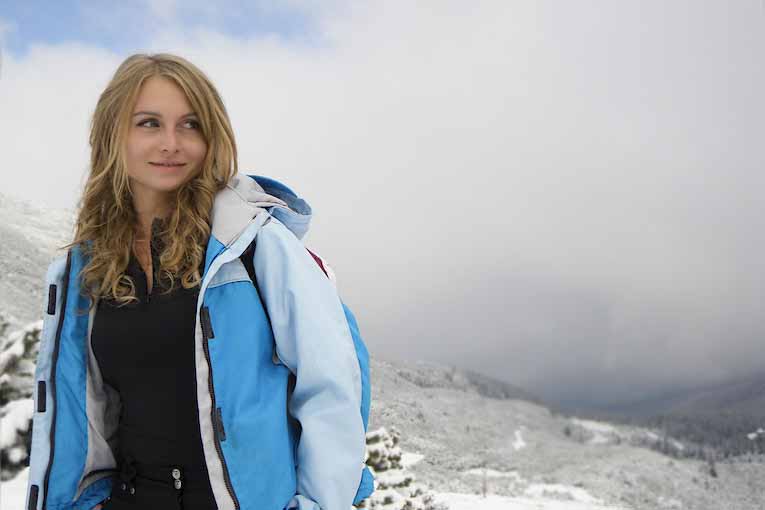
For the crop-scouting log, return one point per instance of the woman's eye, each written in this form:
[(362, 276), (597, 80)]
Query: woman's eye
[(194, 124)]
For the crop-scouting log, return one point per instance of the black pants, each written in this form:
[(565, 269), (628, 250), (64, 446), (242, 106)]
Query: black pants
[(141, 486)]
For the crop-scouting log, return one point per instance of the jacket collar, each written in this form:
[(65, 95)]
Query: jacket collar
[(245, 196)]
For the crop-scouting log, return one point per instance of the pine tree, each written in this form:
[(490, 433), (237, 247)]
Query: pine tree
[(394, 486)]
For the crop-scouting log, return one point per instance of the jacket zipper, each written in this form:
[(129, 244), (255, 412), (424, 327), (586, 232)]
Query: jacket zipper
[(56, 345), (207, 334), (207, 330)]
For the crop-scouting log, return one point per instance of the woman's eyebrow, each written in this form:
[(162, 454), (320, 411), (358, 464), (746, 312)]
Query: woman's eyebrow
[(159, 114)]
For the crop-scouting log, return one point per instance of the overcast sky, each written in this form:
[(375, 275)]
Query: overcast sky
[(567, 195)]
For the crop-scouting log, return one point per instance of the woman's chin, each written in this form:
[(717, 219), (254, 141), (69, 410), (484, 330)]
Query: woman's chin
[(163, 183)]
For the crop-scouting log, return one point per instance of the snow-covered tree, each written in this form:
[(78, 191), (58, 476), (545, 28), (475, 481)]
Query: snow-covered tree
[(15, 436), (394, 486), (18, 353)]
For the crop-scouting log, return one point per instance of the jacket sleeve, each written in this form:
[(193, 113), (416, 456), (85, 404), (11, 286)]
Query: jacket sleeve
[(314, 341)]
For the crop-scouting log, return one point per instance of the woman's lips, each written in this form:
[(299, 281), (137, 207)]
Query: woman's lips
[(165, 168)]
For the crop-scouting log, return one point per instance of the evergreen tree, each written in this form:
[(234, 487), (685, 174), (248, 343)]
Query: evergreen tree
[(394, 486)]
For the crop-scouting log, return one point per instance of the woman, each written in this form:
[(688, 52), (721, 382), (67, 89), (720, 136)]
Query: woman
[(194, 354)]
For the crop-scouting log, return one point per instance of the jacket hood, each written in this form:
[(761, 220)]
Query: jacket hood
[(245, 196)]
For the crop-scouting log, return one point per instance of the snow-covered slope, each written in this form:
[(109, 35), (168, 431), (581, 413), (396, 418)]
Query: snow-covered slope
[(29, 236), (528, 451)]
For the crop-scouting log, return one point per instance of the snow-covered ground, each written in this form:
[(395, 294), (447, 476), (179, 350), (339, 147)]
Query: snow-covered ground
[(13, 491), (542, 490), (410, 459), (457, 501), (13, 496), (493, 473), (601, 432)]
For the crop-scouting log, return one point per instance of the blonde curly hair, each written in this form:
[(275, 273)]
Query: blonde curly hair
[(106, 219)]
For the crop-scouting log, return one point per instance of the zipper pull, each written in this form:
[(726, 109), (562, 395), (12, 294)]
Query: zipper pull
[(52, 299), (221, 430), (207, 329)]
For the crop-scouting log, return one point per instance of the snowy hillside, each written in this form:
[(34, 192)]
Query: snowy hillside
[(530, 452), (29, 235)]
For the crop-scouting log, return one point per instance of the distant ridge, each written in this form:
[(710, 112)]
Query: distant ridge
[(741, 396), (428, 374)]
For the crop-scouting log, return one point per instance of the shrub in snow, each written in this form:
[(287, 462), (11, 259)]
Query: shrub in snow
[(394, 486), (15, 436), (18, 354)]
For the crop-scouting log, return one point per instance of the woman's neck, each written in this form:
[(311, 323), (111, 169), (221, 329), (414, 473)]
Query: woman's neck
[(148, 209)]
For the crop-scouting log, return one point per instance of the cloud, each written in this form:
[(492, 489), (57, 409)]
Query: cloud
[(556, 194), (163, 9), (6, 27)]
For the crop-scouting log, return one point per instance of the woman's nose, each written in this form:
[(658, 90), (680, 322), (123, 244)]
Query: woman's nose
[(169, 140)]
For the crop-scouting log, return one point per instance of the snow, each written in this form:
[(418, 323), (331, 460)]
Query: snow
[(493, 473), (599, 439), (16, 415), (393, 478), (519, 442), (594, 426), (677, 444), (16, 454), (565, 491), (669, 503), (12, 350), (457, 501), (14, 492), (602, 433), (409, 459)]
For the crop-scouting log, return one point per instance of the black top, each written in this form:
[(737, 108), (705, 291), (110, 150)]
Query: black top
[(146, 352)]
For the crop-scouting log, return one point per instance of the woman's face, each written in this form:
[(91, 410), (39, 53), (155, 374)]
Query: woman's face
[(163, 130)]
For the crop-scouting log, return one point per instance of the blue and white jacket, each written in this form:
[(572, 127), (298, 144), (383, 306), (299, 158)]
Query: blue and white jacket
[(244, 356)]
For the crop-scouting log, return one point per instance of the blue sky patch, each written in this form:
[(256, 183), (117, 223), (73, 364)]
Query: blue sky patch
[(125, 26)]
